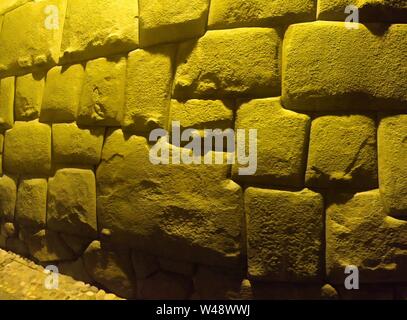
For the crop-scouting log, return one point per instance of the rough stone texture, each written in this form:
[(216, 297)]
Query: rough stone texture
[(389, 11), (180, 267), (257, 13), (76, 270), (162, 22), (8, 5), (75, 243), (97, 28), (16, 245), (325, 67), (284, 234), (31, 206), (62, 93), (72, 202), (102, 99), (1, 154), (7, 86), (342, 152), (77, 145), (19, 143), (28, 99), (29, 37), (392, 149), (144, 204), (148, 88), (236, 62), (286, 291), (282, 139), (359, 233), (165, 286)]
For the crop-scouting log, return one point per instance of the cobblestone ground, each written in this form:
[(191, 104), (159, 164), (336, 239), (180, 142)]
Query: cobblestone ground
[(21, 279)]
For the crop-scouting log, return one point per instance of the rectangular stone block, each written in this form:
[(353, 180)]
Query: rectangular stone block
[(225, 14), (77, 145), (62, 93), (31, 36), (99, 28), (28, 100), (8, 196), (102, 98), (282, 140), (237, 62), (148, 88), (171, 21), (284, 235), (27, 148), (327, 66), (7, 92), (392, 150)]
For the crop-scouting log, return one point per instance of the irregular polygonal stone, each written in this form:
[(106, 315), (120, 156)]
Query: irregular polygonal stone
[(359, 233), (31, 36), (8, 196), (74, 145), (7, 86), (76, 270), (162, 22), (257, 13), (327, 66), (392, 149), (72, 202), (31, 207), (144, 265), (27, 148), (389, 11), (173, 211), (99, 28), (102, 99), (342, 152), (77, 244), (148, 88), (237, 62), (62, 93), (28, 100), (17, 246), (285, 234), (180, 267), (282, 139)]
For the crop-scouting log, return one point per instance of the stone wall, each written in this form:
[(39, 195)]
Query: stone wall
[(83, 83)]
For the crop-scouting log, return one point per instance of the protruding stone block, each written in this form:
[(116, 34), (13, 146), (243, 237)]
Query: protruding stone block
[(28, 100), (7, 87), (8, 196)]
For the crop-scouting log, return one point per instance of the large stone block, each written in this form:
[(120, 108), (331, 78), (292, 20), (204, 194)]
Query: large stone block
[(27, 148), (327, 66), (99, 28), (31, 36), (259, 13), (282, 140), (392, 149), (102, 99), (7, 87), (342, 152), (284, 234), (171, 21), (77, 145), (28, 100), (8, 196), (148, 88), (173, 211), (236, 62), (72, 202), (359, 233), (62, 93)]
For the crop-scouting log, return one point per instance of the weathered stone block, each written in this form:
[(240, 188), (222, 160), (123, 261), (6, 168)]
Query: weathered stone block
[(7, 87), (102, 99), (72, 202), (285, 234), (1, 154), (77, 145), (165, 286), (166, 21), (148, 88), (327, 66), (27, 148), (31, 207), (282, 140), (8, 196), (342, 152), (28, 100), (259, 13), (392, 149), (237, 62), (359, 233), (99, 28), (62, 93)]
